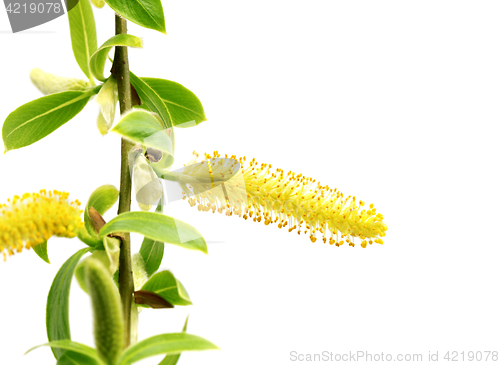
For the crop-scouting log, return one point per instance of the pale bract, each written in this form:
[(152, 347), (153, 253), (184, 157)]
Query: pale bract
[(148, 189), (48, 83), (107, 98)]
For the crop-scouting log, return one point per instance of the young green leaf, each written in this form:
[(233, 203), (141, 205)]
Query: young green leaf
[(157, 227), (146, 13), (154, 103), (98, 58), (152, 253), (168, 287), (144, 127), (37, 119), (184, 107), (102, 199), (171, 343), (41, 251), (79, 348), (58, 302), (83, 33)]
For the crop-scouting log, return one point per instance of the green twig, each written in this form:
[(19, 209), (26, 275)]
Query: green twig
[(120, 70)]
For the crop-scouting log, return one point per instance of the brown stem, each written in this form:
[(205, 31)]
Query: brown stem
[(120, 70)]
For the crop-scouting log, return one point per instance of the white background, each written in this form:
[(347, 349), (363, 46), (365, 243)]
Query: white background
[(396, 102)]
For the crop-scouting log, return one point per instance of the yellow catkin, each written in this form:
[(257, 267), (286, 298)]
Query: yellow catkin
[(289, 200), (33, 218)]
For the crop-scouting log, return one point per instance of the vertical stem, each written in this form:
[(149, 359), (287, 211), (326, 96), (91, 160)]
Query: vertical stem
[(120, 70)]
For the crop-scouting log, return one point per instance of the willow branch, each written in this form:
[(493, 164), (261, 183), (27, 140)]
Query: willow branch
[(120, 70)]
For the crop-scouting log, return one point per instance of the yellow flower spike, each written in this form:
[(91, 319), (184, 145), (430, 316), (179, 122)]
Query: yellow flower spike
[(285, 199), (34, 218)]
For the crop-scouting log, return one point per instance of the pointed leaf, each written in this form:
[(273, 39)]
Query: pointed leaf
[(184, 107), (58, 302), (72, 346), (37, 119), (157, 227), (168, 287), (101, 199), (146, 13), (154, 103), (98, 58), (144, 127), (41, 251), (171, 343), (83, 33)]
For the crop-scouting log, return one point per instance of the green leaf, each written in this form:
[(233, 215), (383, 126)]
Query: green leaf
[(146, 13), (102, 199), (157, 227), (72, 346), (184, 107), (98, 58), (83, 33), (75, 358), (37, 119), (144, 127), (41, 251), (173, 359), (171, 343), (152, 253), (58, 302), (168, 287), (153, 101)]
